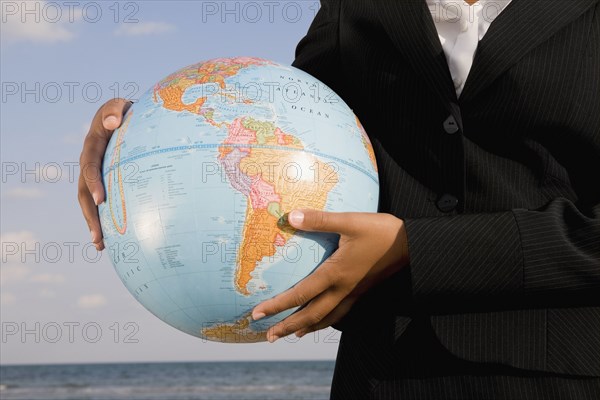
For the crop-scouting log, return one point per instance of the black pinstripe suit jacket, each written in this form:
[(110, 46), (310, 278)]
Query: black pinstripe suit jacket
[(507, 270)]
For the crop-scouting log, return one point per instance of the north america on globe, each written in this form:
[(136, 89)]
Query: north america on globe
[(201, 172)]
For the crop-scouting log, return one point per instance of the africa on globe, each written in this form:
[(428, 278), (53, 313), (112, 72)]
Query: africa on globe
[(197, 177)]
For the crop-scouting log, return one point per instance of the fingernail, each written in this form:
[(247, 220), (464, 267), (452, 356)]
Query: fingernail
[(273, 338), (296, 217), (96, 198), (258, 315), (110, 122), (300, 333), (284, 225)]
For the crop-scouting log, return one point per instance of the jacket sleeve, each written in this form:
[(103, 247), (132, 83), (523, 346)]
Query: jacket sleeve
[(549, 256), (545, 256), (318, 52)]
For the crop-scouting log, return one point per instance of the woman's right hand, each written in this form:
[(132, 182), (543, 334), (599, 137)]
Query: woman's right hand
[(90, 188)]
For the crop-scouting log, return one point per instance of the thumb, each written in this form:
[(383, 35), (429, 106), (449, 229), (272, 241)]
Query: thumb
[(321, 221), (112, 113)]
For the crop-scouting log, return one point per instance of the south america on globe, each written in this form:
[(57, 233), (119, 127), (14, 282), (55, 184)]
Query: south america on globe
[(197, 177)]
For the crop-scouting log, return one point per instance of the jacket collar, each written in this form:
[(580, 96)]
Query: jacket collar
[(522, 26), (410, 27)]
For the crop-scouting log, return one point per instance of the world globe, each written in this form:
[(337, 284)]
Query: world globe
[(199, 179)]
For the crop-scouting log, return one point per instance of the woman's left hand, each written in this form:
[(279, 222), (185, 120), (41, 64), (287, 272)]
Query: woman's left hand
[(372, 247)]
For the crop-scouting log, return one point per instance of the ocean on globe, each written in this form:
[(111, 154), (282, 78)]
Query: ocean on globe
[(200, 173)]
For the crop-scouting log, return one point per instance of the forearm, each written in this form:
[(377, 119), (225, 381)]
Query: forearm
[(511, 258)]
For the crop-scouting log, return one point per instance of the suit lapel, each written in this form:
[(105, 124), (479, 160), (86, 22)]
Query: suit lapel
[(522, 26), (410, 26)]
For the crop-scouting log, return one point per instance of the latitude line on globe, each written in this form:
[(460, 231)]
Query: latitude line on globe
[(211, 145)]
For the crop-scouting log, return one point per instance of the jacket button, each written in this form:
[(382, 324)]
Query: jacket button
[(447, 203), (450, 125)]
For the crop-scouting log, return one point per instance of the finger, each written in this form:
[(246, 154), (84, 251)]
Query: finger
[(310, 315), (298, 295), (322, 221), (106, 120), (334, 316), (112, 113), (90, 213)]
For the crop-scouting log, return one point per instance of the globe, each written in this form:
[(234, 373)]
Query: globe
[(199, 179)]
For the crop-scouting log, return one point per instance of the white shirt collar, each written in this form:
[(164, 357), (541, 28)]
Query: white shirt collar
[(459, 10)]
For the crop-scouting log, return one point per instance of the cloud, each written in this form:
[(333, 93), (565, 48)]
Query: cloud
[(24, 193), (26, 237), (91, 301), (34, 27), (13, 273), (144, 28), (12, 244), (7, 298), (77, 138), (47, 294), (48, 278)]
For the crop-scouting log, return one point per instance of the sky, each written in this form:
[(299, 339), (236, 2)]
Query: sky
[(61, 301)]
